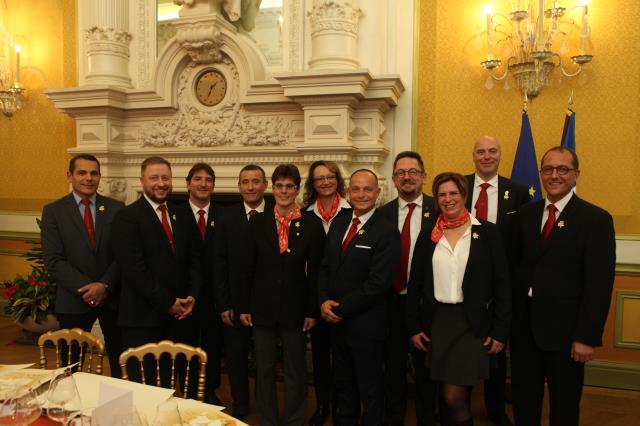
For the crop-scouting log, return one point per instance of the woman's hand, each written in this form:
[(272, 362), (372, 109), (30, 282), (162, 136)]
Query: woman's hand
[(419, 341), (493, 345)]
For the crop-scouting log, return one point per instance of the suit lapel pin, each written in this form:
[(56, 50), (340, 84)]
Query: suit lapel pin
[(506, 194), (561, 224), (297, 225), (361, 232), (173, 216), (426, 215), (101, 208), (475, 235), (212, 224), (297, 234)]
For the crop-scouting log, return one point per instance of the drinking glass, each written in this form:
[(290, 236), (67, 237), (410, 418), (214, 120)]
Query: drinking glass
[(167, 414), (63, 399), (21, 408)]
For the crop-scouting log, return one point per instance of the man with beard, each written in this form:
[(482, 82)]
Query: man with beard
[(408, 212), (160, 265), (205, 326), (494, 198), (76, 246)]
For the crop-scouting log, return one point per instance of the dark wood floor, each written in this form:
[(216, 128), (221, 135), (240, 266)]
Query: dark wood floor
[(600, 406)]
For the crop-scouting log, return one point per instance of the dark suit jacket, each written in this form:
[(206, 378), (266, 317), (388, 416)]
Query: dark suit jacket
[(390, 210), (486, 286), (205, 303), (281, 289), (511, 196), (152, 276), (571, 274), (68, 255), (360, 279)]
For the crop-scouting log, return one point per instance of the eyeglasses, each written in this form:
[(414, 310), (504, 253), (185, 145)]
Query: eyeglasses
[(410, 172), (561, 170), (327, 178), (285, 187)]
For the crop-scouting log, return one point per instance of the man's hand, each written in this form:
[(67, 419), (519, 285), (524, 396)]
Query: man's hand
[(493, 345), (227, 317), (188, 304), (177, 309), (245, 319), (94, 294), (581, 352), (419, 340), (309, 323), (326, 310)]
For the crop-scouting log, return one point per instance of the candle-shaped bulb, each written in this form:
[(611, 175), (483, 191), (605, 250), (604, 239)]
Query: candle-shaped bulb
[(488, 11), (585, 2), (18, 50)]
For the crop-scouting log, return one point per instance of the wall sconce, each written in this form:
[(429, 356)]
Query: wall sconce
[(10, 87), (527, 48)]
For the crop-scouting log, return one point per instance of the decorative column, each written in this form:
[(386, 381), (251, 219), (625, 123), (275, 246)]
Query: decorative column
[(334, 34), (108, 40)]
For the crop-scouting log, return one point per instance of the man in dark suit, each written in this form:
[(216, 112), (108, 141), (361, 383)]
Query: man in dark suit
[(76, 236), (407, 212), (362, 253), (232, 234), (279, 297), (564, 261), (159, 260), (494, 198), (205, 325)]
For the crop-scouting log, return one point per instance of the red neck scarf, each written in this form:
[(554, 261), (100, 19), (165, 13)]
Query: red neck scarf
[(443, 223), (327, 215), (283, 226)]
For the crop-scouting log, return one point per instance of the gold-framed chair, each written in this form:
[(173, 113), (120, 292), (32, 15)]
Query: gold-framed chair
[(173, 350), (86, 344)]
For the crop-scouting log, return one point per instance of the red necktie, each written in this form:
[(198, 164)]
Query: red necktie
[(482, 204), (201, 224), (352, 232), (167, 228), (548, 225), (252, 213), (400, 282), (88, 222)]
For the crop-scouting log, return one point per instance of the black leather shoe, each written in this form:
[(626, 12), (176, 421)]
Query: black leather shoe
[(503, 420), (320, 416)]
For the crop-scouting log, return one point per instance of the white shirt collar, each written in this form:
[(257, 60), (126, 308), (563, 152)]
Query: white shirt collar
[(79, 198), (479, 181), (473, 220), (196, 209), (365, 217), (403, 203), (153, 203), (561, 203), (259, 209), (344, 204)]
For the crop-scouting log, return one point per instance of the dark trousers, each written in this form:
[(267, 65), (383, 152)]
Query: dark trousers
[(358, 377), (530, 366), (209, 330), (494, 387), (294, 345), (112, 335), (397, 350), (170, 329), (321, 357), (237, 341)]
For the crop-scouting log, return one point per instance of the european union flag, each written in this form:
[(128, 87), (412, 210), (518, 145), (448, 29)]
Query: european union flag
[(569, 131), (525, 165)]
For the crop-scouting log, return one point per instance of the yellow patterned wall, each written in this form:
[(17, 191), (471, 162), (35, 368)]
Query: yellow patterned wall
[(454, 107), (34, 142)]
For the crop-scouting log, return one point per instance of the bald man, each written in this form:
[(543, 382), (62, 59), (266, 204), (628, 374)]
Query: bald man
[(494, 198)]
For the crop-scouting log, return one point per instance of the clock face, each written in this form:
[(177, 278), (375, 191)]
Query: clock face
[(211, 88)]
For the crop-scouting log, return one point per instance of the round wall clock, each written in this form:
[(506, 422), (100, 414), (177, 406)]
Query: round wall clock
[(211, 87)]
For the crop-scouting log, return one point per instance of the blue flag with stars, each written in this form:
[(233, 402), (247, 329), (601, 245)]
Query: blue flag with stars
[(569, 131), (525, 164)]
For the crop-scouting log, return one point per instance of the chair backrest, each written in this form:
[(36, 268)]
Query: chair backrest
[(80, 343), (173, 350)]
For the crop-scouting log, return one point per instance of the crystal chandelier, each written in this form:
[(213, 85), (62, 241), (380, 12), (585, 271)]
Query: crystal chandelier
[(532, 41), (10, 87)]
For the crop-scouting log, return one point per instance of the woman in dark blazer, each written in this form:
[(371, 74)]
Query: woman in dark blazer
[(279, 299), (458, 299)]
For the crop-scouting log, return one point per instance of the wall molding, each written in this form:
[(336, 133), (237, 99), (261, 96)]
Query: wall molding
[(609, 374), (618, 340)]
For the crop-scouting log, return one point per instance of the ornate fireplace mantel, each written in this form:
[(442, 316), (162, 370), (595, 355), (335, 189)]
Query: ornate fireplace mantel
[(261, 117)]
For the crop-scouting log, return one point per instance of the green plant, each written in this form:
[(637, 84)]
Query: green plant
[(33, 295)]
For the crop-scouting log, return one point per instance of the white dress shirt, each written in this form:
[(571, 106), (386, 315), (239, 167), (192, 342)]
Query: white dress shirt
[(196, 209), (259, 209), (492, 197), (156, 208), (560, 206), (363, 219), (449, 266), (415, 227), (344, 204)]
